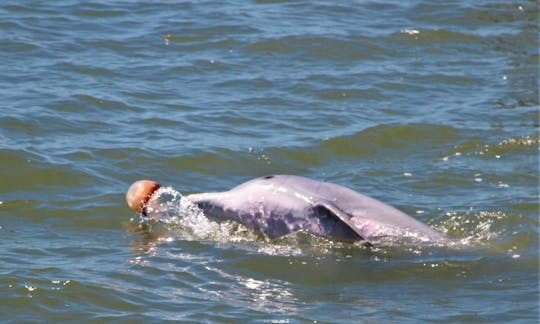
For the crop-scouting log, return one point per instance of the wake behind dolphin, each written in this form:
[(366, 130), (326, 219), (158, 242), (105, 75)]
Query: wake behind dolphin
[(278, 205)]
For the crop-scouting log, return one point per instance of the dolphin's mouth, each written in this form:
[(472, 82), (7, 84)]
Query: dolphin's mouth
[(143, 211)]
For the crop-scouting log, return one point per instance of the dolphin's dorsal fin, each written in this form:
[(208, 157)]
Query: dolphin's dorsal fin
[(343, 217)]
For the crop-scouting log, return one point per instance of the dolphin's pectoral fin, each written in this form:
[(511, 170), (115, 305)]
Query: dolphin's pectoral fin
[(332, 210)]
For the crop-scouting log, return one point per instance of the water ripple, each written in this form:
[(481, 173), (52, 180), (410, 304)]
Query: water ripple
[(432, 107)]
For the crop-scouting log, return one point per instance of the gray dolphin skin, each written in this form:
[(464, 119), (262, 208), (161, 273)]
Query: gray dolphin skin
[(277, 205)]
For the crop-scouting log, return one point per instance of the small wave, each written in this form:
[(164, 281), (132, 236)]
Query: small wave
[(507, 146), (390, 139), (474, 228), (318, 46), (431, 36)]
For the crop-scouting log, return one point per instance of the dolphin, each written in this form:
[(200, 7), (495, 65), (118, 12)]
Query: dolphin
[(277, 205)]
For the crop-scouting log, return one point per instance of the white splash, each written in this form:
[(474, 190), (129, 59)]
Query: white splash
[(410, 31), (168, 206)]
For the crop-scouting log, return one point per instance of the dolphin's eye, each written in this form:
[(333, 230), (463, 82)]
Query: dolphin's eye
[(268, 177)]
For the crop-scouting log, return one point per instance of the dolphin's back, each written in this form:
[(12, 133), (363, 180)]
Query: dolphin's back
[(369, 216), (279, 204)]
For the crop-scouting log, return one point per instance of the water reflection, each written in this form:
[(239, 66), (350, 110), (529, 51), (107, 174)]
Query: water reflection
[(144, 237), (268, 295)]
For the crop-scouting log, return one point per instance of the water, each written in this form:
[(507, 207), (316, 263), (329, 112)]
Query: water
[(430, 107)]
